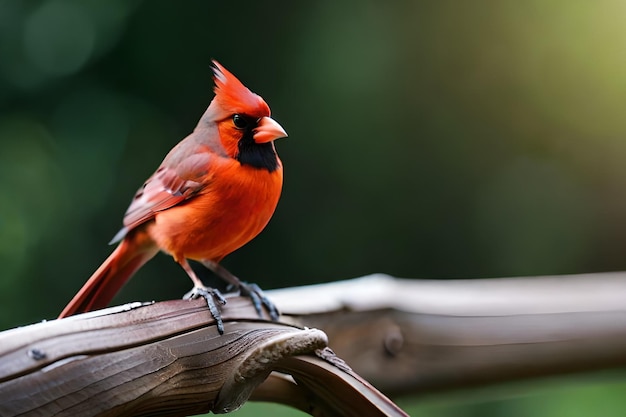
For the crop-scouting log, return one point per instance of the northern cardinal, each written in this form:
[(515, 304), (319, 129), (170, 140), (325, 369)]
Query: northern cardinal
[(213, 193)]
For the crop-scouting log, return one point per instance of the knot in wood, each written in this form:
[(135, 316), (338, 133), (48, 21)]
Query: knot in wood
[(393, 341)]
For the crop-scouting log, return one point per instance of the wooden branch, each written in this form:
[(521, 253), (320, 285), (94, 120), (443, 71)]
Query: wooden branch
[(168, 359), (411, 336), (402, 335)]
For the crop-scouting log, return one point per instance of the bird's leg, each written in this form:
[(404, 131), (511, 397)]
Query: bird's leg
[(245, 289), (209, 294)]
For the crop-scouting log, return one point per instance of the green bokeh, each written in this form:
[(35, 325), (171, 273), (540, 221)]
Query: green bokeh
[(426, 139)]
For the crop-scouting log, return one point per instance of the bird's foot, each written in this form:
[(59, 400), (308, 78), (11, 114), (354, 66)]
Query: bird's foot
[(259, 299), (210, 295), (245, 289)]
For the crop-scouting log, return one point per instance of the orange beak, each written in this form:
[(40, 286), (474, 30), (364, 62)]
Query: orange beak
[(268, 130)]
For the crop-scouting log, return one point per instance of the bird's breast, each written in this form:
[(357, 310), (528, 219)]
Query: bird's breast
[(235, 205)]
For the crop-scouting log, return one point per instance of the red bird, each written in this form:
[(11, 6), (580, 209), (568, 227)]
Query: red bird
[(213, 193)]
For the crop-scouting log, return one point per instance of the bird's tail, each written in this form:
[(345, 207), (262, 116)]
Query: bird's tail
[(135, 250)]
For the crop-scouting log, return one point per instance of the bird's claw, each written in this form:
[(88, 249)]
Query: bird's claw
[(210, 295), (245, 289), (258, 299)]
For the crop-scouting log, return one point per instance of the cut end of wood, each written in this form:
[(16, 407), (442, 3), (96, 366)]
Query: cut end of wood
[(257, 363)]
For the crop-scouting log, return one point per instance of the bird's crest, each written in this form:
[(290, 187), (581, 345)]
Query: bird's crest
[(234, 97)]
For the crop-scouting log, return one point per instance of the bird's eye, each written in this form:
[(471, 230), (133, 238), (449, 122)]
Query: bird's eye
[(240, 122)]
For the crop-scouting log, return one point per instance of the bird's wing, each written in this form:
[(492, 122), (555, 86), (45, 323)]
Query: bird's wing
[(167, 187)]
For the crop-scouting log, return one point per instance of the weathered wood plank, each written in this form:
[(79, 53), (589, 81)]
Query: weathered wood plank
[(164, 358)]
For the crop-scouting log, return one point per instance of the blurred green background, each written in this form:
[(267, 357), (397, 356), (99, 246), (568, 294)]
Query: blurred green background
[(432, 139)]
